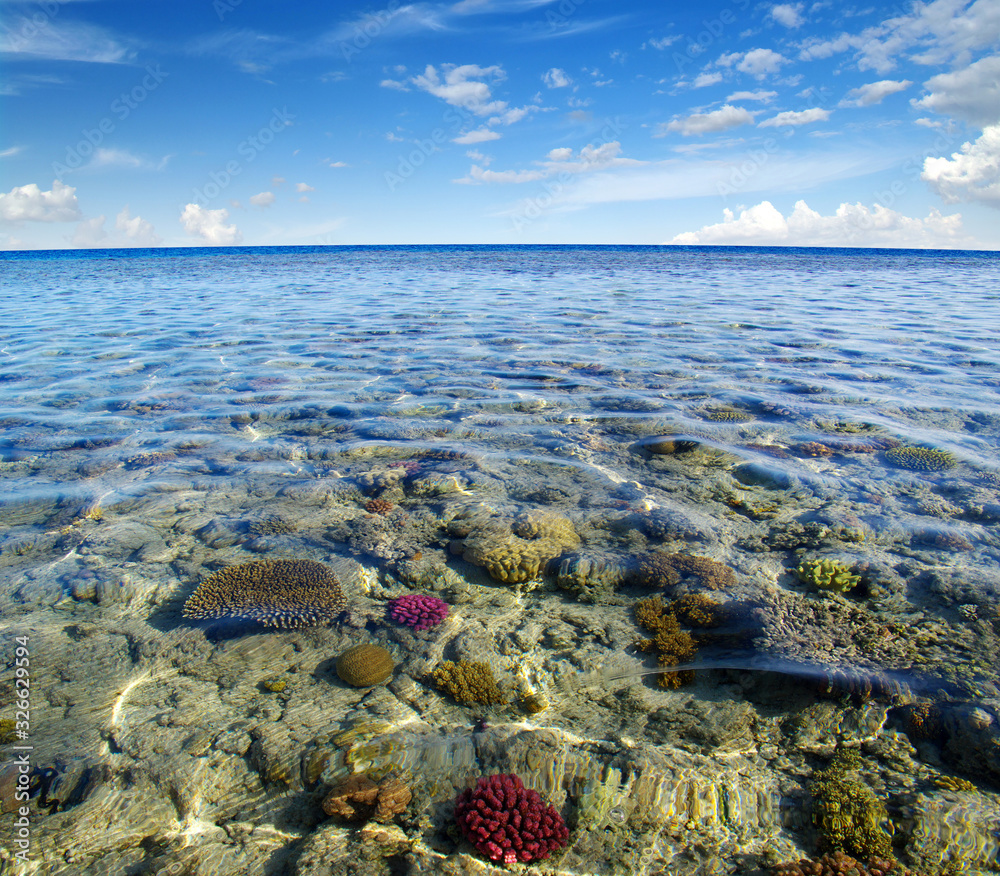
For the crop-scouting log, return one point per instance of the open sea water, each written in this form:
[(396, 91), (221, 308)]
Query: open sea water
[(710, 518)]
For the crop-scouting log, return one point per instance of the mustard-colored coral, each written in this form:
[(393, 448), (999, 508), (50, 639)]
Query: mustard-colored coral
[(848, 814), (518, 550), (469, 682), (827, 575), (920, 458), (672, 644)]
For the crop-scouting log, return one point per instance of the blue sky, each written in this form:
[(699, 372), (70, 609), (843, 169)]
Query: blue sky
[(216, 122)]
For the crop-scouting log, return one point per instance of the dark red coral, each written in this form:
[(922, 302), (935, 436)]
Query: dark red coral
[(418, 611), (508, 822)]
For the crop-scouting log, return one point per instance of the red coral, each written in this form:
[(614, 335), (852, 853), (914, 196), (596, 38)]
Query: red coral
[(508, 822), (418, 611)]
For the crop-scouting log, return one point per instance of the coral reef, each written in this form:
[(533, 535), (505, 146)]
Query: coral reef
[(365, 665), (507, 822), (358, 798), (846, 811), (841, 864), (671, 644), (7, 734), (920, 458), (592, 577), (469, 682), (378, 506), (275, 593), (518, 550), (728, 415), (418, 611), (827, 574), (658, 569), (814, 448)]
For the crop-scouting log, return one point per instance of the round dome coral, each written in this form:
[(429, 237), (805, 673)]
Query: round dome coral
[(418, 611), (508, 822)]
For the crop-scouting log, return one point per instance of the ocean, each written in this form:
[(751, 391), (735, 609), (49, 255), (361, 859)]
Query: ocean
[(716, 529)]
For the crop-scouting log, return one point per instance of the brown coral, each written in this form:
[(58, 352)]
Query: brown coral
[(469, 682), (658, 569), (378, 506), (358, 798), (841, 864), (672, 644), (365, 665), (276, 593)]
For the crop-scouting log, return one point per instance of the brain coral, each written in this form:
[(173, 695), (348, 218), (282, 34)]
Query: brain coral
[(276, 593), (920, 458), (365, 665), (507, 822), (519, 550)]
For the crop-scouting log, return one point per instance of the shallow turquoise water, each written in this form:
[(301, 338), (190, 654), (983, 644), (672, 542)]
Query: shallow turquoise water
[(195, 391)]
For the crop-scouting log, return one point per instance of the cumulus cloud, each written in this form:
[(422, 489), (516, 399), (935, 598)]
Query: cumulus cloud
[(971, 94), (304, 187), (30, 204), (851, 225), (727, 116), (787, 14), (973, 174), (874, 92), (556, 78), (756, 62), (264, 199), (137, 231), (463, 86), (803, 117), (479, 135), (210, 225), (703, 79), (90, 234)]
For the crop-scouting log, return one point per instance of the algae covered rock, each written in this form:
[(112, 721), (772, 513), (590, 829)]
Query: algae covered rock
[(518, 550)]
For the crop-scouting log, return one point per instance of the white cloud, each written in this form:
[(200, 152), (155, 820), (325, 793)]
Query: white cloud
[(756, 62), (558, 161), (304, 187), (12, 151), (661, 44), (788, 15), (703, 79), (970, 175), (29, 203), (764, 96), (480, 135), (971, 94), (62, 41), (394, 85), (210, 225), (462, 87), (556, 78), (278, 181), (512, 115), (264, 199), (137, 230), (874, 92), (804, 117), (851, 225), (90, 234), (329, 162), (722, 119), (104, 157)]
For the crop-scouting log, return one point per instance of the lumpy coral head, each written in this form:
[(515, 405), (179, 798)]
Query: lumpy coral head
[(507, 822), (418, 611)]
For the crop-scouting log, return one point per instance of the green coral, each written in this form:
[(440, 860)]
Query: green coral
[(469, 682), (6, 731), (920, 458), (846, 811), (827, 575)]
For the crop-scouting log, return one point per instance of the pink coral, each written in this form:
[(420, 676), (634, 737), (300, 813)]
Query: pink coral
[(418, 611), (508, 822)]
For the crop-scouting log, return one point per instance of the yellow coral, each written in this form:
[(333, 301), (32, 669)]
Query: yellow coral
[(519, 550), (469, 682)]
